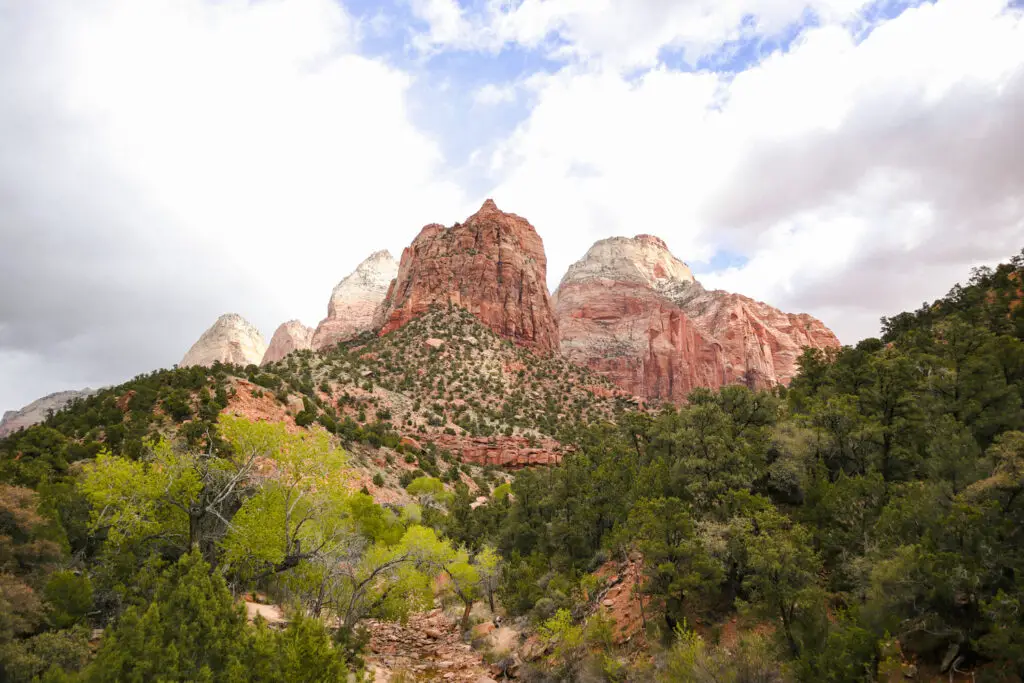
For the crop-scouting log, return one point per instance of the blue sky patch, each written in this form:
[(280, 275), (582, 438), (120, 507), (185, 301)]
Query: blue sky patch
[(721, 260)]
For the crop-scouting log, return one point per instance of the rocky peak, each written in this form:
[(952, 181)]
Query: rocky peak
[(643, 259), (350, 311), (634, 312), (231, 339), (290, 336), (493, 265)]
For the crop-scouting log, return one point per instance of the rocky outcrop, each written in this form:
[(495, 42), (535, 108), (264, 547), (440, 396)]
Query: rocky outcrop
[(761, 343), (232, 339), (616, 318), (355, 301), (633, 312), (39, 410), (290, 336), (493, 265), (509, 452)]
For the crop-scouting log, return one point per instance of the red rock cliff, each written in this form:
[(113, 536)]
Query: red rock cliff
[(633, 312), (493, 265)]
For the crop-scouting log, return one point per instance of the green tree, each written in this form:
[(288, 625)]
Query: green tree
[(192, 631), (782, 574), (677, 567), (303, 651)]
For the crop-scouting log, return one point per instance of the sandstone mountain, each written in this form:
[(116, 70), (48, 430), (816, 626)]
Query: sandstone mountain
[(232, 339), (493, 265), (629, 310), (355, 300), (759, 340), (290, 336), (633, 312), (38, 410)]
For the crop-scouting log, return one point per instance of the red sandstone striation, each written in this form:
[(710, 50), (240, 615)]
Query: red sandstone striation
[(633, 312), (761, 342), (510, 452), (493, 265)]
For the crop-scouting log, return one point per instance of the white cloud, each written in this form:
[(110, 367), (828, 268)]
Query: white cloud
[(164, 162), (167, 161), (859, 178), (490, 95), (446, 24), (620, 33)]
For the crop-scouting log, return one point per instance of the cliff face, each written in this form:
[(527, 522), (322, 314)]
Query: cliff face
[(633, 312), (232, 339), (290, 336), (355, 300), (493, 265), (761, 342), (614, 317)]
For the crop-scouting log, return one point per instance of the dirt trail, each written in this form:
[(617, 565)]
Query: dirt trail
[(428, 648)]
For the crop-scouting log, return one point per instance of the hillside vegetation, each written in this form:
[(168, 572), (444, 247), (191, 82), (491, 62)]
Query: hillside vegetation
[(863, 524)]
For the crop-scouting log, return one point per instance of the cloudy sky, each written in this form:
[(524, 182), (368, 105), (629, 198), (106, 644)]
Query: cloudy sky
[(166, 161)]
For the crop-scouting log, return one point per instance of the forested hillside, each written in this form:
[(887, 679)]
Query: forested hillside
[(863, 524)]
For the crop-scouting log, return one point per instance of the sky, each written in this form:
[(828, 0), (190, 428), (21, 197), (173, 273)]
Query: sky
[(166, 161)]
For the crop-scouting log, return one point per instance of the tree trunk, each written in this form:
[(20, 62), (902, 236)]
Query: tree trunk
[(464, 624)]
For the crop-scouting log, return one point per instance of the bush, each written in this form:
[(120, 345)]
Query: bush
[(70, 599)]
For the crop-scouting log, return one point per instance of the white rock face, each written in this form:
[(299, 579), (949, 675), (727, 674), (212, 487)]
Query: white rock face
[(290, 336), (643, 260), (232, 339), (350, 311), (37, 411)]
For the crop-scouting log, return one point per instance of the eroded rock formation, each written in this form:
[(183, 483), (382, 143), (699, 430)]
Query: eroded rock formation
[(761, 343), (355, 300), (232, 339), (509, 452), (290, 336), (633, 312), (493, 265)]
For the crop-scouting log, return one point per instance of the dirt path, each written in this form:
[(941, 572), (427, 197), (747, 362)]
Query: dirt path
[(428, 648)]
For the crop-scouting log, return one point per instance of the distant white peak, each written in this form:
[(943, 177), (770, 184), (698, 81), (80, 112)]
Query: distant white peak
[(236, 321), (231, 339), (375, 273), (643, 259)]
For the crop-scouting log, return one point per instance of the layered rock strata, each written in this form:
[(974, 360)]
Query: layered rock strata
[(355, 301), (762, 343), (493, 265), (232, 339), (633, 312)]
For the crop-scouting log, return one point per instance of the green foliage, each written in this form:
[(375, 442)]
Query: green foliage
[(875, 500), (52, 655), (69, 597), (678, 567), (301, 652), (192, 631), (692, 660)]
